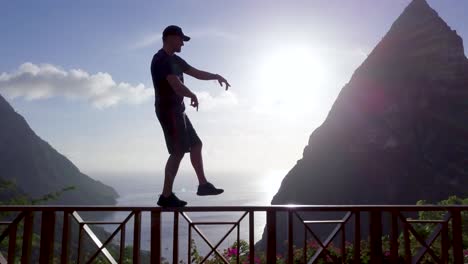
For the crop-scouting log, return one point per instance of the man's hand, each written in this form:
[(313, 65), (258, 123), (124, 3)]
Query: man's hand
[(221, 80), (194, 100)]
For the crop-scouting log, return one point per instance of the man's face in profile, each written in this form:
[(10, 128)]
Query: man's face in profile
[(176, 42)]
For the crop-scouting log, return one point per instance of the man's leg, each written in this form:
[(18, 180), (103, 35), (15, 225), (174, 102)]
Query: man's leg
[(197, 162), (172, 166), (205, 188)]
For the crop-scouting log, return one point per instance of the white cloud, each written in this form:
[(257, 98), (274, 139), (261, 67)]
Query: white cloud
[(34, 82), (209, 102)]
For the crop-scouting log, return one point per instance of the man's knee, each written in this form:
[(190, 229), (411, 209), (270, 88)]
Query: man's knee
[(177, 155), (197, 146)]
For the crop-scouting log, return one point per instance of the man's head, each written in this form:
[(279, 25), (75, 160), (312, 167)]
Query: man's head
[(173, 38)]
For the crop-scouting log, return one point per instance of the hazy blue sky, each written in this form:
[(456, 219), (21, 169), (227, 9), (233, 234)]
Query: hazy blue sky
[(79, 72)]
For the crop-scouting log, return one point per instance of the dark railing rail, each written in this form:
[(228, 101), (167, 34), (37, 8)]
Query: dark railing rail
[(449, 231)]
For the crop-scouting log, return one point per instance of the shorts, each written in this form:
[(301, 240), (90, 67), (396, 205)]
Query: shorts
[(178, 131)]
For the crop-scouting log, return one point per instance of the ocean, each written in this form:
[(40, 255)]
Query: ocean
[(240, 189)]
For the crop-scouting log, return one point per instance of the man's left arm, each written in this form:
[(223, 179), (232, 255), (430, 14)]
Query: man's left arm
[(204, 75)]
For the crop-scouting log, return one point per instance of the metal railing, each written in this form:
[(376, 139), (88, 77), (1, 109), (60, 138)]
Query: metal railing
[(448, 230)]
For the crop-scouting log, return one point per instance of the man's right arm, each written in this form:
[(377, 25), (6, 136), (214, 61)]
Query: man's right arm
[(182, 90), (178, 86)]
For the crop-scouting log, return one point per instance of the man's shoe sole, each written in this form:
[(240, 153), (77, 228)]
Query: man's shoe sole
[(207, 194), (172, 205)]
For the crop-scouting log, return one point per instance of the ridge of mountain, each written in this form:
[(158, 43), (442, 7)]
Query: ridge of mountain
[(38, 169)]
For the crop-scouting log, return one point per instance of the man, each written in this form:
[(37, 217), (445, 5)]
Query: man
[(167, 71)]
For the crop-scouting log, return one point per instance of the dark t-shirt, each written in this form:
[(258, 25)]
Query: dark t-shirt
[(163, 65)]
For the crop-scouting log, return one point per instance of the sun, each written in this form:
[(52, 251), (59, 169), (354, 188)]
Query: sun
[(289, 77)]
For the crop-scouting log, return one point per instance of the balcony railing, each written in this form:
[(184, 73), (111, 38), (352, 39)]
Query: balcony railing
[(448, 231)]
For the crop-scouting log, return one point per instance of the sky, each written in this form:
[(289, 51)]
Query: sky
[(79, 73)]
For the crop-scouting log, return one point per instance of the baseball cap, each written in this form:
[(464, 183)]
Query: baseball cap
[(175, 30)]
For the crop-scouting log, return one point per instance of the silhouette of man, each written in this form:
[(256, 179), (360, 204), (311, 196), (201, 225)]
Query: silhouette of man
[(167, 71)]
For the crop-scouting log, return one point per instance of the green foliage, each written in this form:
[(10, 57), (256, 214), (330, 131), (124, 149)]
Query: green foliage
[(18, 198), (52, 196), (426, 229)]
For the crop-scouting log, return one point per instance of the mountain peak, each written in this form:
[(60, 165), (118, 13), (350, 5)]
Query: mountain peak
[(416, 14), (421, 43), (419, 4)]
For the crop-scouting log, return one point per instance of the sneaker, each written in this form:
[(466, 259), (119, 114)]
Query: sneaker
[(171, 201), (208, 189)]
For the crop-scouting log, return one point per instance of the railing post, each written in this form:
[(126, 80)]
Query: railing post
[(12, 242), (175, 239), (457, 236), (357, 237), (343, 243), (251, 237), (155, 254), (290, 237), (271, 236), (80, 243), (122, 243), (394, 237), (189, 246), (376, 237), (304, 250), (445, 242), (136, 236), (238, 243), (406, 237), (27, 237), (47, 237), (65, 237)]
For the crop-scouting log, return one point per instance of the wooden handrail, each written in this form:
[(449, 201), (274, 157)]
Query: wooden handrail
[(451, 243), (257, 208)]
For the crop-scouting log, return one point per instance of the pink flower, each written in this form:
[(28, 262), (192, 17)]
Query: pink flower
[(387, 253), (232, 252), (465, 252), (313, 244)]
